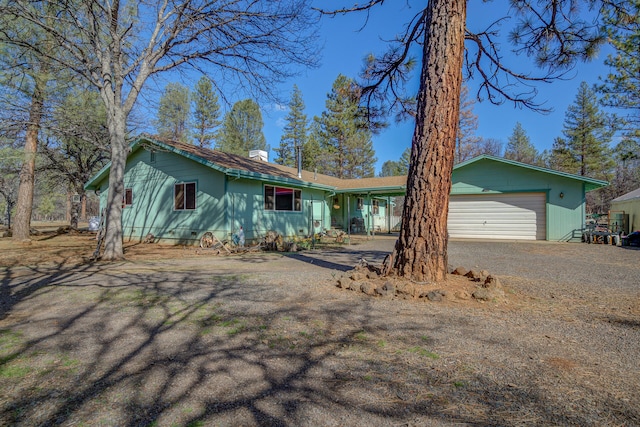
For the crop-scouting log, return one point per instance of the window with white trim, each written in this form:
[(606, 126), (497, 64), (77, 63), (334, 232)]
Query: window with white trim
[(375, 207), (282, 199), (184, 196), (359, 203)]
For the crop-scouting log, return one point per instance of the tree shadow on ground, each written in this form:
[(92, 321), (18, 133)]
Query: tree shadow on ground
[(122, 345)]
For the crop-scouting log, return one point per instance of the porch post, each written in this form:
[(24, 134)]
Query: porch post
[(389, 214), (349, 217)]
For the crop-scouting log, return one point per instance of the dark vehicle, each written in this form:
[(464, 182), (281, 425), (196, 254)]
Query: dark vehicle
[(633, 239)]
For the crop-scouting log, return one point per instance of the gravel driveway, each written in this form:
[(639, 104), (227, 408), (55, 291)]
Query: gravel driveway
[(268, 339)]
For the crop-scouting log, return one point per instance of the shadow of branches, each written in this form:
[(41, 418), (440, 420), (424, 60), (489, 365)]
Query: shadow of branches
[(136, 344)]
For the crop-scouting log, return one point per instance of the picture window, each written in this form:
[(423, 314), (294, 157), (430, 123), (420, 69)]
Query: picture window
[(282, 199)]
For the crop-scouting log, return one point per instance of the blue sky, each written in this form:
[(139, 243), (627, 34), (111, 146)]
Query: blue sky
[(347, 39), (346, 43)]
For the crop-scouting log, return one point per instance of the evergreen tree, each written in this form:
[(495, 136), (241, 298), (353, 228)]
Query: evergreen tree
[(399, 167), (312, 154), (242, 129), (344, 134), (519, 147), (621, 87), (561, 158), (294, 136), (552, 33), (587, 135), (173, 113), (206, 112)]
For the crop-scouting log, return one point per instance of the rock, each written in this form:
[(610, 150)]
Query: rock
[(344, 282), (463, 295), (356, 275), (488, 294), (406, 290), (484, 274), (460, 271), (372, 275), (492, 282), (474, 275), (388, 289), (368, 288), (434, 296), (354, 286), (483, 294)]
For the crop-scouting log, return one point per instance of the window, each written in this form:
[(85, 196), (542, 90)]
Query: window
[(152, 156), (359, 203), (375, 207), (184, 196), (127, 197), (282, 199)]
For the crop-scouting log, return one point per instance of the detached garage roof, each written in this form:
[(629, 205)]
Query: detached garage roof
[(590, 183), (635, 194)]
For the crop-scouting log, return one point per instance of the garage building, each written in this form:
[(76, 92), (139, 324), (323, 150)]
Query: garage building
[(496, 198)]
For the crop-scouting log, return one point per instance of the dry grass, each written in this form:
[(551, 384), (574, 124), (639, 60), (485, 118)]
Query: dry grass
[(171, 338)]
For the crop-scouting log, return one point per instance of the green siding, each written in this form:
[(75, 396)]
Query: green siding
[(632, 208), (246, 198), (565, 216), (223, 203), (153, 211)]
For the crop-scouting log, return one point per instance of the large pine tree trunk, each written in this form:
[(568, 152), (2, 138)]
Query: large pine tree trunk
[(421, 250), (24, 205)]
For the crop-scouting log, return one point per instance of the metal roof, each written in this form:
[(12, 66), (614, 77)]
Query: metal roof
[(635, 194)]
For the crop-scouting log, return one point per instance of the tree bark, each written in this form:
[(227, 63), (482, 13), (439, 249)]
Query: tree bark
[(420, 253), (24, 205), (69, 206), (113, 248)]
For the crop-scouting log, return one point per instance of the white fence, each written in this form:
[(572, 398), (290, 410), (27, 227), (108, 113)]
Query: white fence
[(380, 223)]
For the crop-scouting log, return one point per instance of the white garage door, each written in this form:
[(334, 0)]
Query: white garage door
[(498, 216)]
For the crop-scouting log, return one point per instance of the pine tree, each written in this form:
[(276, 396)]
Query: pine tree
[(621, 87), (561, 158), (242, 129), (173, 113), (343, 133), (206, 112), (587, 133), (551, 33), (311, 151), (519, 147), (294, 136), (397, 167)]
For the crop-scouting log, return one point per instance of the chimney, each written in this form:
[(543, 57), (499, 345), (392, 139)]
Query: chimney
[(299, 161), (260, 155)]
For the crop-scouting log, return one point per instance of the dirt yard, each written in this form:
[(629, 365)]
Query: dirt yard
[(179, 337)]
